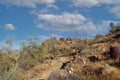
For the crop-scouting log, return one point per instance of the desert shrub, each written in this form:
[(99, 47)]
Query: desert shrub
[(31, 54), (114, 28), (80, 45), (98, 36), (35, 56)]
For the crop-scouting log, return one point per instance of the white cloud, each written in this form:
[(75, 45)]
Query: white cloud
[(104, 26), (26, 3), (109, 1), (115, 10), (52, 6), (39, 11), (9, 27), (61, 22), (92, 3), (85, 3), (68, 22), (88, 28)]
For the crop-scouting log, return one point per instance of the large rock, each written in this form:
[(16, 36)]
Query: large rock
[(62, 74), (114, 52)]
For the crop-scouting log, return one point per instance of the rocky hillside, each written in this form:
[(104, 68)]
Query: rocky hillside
[(83, 59)]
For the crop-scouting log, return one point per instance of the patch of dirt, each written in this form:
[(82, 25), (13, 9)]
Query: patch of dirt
[(42, 71)]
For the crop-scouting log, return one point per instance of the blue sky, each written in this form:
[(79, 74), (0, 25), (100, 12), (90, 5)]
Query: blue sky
[(20, 19)]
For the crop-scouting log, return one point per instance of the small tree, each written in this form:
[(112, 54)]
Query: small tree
[(112, 25), (98, 36)]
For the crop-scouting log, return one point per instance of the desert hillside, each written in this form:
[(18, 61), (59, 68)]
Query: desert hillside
[(86, 59)]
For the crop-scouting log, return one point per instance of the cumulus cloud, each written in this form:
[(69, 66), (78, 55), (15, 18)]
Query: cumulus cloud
[(26, 3), (9, 27), (40, 11), (61, 22), (68, 22), (52, 6), (85, 3), (115, 10), (91, 3)]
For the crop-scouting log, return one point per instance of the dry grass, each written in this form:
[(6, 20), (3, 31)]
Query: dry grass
[(10, 68)]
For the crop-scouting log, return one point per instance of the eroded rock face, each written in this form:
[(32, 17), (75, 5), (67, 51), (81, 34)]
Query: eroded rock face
[(62, 74), (114, 52)]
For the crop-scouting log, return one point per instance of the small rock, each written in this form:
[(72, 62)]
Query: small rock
[(94, 58)]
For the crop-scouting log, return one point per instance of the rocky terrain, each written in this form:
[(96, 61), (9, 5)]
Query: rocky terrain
[(79, 59)]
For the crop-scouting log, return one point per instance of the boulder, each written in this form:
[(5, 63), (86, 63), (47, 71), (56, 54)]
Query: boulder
[(62, 74), (114, 52)]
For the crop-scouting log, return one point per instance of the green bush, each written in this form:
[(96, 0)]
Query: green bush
[(32, 55), (98, 36), (114, 28)]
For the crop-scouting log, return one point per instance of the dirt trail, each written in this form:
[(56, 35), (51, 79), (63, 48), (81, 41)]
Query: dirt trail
[(42, 72), (54, 66), (46, 73)]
